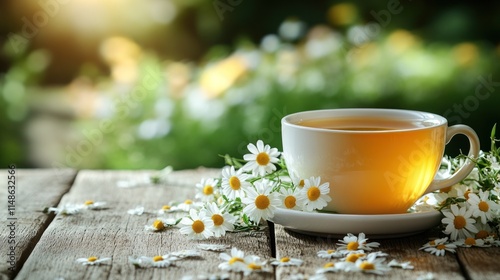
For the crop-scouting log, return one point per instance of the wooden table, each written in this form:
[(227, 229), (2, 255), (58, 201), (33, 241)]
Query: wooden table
[(47, 245)]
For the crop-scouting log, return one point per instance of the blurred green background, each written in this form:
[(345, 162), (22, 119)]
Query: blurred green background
[(139, 84)]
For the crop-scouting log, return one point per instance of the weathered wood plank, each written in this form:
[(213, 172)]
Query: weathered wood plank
[(114, 233), (291, 244), (34, 190), (480, 263)]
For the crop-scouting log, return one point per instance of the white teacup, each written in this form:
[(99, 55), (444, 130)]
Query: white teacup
[(377, 161)]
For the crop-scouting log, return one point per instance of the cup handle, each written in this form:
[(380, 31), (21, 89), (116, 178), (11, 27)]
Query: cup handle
[(465, 169)]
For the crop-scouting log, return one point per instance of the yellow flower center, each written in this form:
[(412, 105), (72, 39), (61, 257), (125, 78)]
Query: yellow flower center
[(328, 265), (234, 183), (459, 222), (89, 202), (166, 207), (254, 266), (235, 259), (218, 219), (92, 259), (352, 258), (483, 206), (441, 247), (330, 251), (352, 246), (263, 158), (445, 190), (285, 259), (188, 201), (481, 234), (432, 243), (313, 193), (157, 224), (208, 190), (466, 194), (262, 202), (367, 266), (290, 201), (157, 258), (198, 226), (470, 241), (301, 183)]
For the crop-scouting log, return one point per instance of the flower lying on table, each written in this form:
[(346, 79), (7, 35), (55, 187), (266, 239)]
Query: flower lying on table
[(248, 192)]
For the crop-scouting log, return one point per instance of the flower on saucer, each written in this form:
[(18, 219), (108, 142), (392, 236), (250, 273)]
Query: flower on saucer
[(234, 182), (207, 189), (234, 262), (286, 261), (439, 246), (197, 225), (372, 264), (458, 221), (471, 242), (290, 198), (160, 224), (260, 202), (212, 247), (353, 243), (481, 206), (313, 195), (222, 221), (328, 254), (261, 159), (93, 260)]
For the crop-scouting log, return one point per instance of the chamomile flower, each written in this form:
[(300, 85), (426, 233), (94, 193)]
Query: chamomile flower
[(471, 242), (402, 265), (233, 262), (260, 202), (439, 246), (353, 243), (482, 207), (234, 182), (183, 254), (213, 247), (167, 208), (207, 189), (222, 221), (66, 209), (331, 253), (261, 159), (160, 224), (93, 260), (90, 204), (197, 225), (290, 198), (187, 205), (352, 257), (156, 261), (330, 267), (313, 195), (372, 264), (459, 223), (139, 210), (253, 264), (286, 261)]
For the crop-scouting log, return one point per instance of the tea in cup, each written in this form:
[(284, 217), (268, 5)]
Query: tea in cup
[(377, 161)]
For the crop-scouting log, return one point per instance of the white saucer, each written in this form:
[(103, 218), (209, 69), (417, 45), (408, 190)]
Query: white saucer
[(374, 226)]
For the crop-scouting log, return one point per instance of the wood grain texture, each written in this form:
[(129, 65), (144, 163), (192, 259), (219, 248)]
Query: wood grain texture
[(114, 233), (480, 263), (35, 189), (291, 244)]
